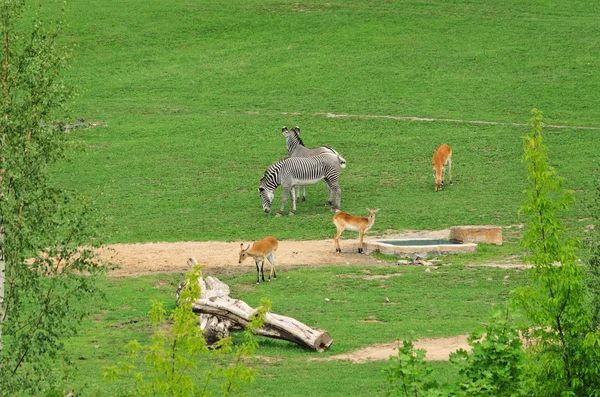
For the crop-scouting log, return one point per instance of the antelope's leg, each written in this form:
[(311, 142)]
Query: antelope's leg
[(271, 259), (262, 268), (450, 168), (336, 239), (360, 241), (257, 272)]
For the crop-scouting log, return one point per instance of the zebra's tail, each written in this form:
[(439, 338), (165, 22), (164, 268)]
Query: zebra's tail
[(340, 158)]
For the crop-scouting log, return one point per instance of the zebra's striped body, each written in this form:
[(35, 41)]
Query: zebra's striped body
[(296, 148), (293, 171)]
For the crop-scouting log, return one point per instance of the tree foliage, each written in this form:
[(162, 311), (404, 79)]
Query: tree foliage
[(178, 349), (44, 274), (592, 245), (493, 368), (565, 355)]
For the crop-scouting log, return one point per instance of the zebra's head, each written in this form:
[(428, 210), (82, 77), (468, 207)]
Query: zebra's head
[(292, 137), (266, 195)]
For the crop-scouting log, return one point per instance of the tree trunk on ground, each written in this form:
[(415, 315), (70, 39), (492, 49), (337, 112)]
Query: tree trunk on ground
[(215, 302)]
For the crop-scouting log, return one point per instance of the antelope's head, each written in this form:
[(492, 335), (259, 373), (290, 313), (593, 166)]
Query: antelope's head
[(372, 213), (438, 179), (243, 252), (266, 195)]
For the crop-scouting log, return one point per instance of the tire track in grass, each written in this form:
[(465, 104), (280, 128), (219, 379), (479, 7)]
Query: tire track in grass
[(434, 119)]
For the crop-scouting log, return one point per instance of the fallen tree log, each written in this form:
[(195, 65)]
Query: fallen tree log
[(219, 312)]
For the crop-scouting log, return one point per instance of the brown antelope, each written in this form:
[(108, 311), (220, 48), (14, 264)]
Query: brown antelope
[(360, 224), (441, 157), (260, 251)]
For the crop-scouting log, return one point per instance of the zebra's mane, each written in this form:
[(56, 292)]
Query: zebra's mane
[(299, 139)]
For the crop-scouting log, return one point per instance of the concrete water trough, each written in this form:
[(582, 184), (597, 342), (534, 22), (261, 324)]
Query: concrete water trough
[(409, 247), (458, 239)]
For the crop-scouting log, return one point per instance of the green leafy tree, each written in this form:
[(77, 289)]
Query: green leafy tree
[(494, 368), (409, 374), (495, 365), (565, 355), (44, 275), (592, 243), (178, 347)]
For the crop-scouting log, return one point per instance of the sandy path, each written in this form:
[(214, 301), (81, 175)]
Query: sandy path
[(438, 349), (145, 258)]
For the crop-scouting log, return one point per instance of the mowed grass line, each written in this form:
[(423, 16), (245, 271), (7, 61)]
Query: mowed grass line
[(449, 301)]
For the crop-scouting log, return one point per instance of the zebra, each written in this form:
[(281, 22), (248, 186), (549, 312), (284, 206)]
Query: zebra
[(296, 148), (292, 171)]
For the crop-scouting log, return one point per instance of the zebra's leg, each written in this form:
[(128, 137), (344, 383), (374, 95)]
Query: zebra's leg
[(450, 168), (338, 197), (303, 193), (286, 192), (294, 197), (271, 259), (329, 195)]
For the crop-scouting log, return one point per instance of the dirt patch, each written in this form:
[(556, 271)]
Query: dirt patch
[(373, 277), (438, 349), (222, 257), (136, 259)]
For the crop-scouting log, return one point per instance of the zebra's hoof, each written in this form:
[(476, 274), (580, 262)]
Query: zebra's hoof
[(277, 215), (303, 198), (291, 213), (451, 182), (328, 204)]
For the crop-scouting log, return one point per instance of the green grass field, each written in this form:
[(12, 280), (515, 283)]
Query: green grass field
[(195, 95), (450, 301)]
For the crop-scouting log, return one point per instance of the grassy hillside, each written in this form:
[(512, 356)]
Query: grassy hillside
[(195, 94)]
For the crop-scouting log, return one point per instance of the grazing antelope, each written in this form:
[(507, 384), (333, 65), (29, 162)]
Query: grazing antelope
[(441, 157), (361, 224), (260, 251)]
